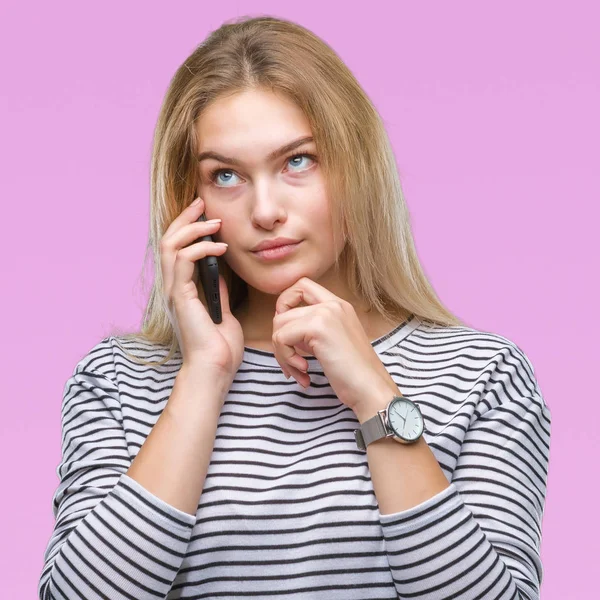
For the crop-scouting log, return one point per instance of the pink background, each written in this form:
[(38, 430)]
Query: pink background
[(493, 112)]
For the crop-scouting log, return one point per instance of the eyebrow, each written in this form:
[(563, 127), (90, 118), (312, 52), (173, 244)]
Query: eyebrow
[(272, 156)]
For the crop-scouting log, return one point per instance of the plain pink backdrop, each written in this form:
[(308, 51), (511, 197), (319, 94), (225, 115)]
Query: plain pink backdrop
[(493, 113)]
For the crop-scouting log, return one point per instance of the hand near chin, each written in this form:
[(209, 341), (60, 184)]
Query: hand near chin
[(329, 329)]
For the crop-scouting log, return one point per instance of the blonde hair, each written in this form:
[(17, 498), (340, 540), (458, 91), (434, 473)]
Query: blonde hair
[(379, 259)]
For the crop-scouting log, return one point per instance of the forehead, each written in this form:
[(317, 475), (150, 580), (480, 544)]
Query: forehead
[(254, 121)]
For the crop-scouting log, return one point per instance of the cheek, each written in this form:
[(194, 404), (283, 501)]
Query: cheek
[(211, 201), (325, 220), (315, 204), (212, 207), (321, 232), (320, 213), (232, 229)]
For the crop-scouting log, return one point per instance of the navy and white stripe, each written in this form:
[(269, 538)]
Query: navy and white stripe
[(288, 509)]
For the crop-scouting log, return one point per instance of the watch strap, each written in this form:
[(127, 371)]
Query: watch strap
[(371, 430)]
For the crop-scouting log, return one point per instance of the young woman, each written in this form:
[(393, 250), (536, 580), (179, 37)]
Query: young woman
[(340, 434)]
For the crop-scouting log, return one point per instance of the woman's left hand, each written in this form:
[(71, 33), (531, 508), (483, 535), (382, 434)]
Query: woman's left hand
[(329, 329)]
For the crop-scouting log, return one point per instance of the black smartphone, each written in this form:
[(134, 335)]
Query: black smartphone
[(208, 269)]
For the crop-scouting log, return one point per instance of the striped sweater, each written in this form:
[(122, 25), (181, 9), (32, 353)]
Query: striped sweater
[(288, 509)]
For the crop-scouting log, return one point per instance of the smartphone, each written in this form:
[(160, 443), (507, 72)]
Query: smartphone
[(209, 277)]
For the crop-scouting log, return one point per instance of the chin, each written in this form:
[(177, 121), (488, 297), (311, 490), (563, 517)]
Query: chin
[(276, 280)]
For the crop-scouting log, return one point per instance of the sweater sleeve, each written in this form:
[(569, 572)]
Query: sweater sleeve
[(481, 536), (112, 538)]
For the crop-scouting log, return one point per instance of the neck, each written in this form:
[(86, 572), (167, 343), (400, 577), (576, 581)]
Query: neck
[(256, 314)]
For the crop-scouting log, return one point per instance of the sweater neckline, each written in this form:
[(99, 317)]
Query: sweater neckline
[(254, 356)]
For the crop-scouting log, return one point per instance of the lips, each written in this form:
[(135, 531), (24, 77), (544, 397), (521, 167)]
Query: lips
[(275, 243), (277, 252)]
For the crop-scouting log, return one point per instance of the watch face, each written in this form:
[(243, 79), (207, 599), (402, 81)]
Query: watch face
[(405, 419)]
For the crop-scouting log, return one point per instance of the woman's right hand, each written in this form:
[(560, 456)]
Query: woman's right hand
[(203, 344)]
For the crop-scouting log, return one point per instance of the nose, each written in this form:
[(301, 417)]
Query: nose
[(268, 205)]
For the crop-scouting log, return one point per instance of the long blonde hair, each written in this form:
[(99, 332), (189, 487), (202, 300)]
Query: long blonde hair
[(379, 258)]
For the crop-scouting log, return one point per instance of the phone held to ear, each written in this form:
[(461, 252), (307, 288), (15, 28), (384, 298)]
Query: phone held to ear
[(209, 277)]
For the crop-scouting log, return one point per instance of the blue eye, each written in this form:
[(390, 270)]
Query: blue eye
[(298, 156), (215, 173)]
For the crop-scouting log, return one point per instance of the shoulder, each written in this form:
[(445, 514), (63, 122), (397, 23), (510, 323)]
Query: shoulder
[(462, 341), (112, 354), (493, 366), (97, 360)]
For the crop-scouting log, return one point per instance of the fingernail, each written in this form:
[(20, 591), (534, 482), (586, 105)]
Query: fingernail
[(195, 202)]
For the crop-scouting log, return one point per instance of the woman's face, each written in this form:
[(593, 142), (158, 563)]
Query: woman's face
[(260, 198)]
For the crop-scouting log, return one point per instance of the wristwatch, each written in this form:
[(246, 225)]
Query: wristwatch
[(402, 420)]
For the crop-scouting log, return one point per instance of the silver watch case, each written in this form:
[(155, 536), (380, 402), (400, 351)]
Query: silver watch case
[(379, 426)]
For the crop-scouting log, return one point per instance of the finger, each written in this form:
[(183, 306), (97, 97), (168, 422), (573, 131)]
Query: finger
[(188, 214), (168, 250), (192, 232), (291, 298), (177, 241), (302, 378), (285, 338), (300, 312), (304, 290), (185, 262)]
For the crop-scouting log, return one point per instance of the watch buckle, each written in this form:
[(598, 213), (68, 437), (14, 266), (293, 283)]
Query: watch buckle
[(383, 418)]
